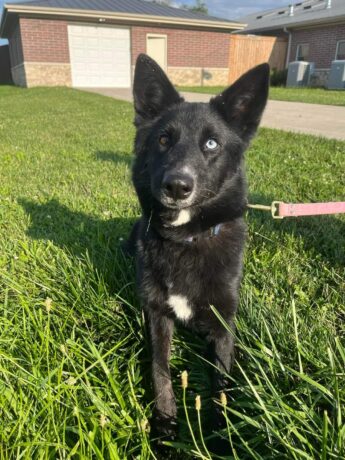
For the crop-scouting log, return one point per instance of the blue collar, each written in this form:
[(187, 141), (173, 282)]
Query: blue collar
[(213, 231)]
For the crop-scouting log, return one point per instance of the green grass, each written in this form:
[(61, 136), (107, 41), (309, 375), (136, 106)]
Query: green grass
[(309, 95), (74, 366)]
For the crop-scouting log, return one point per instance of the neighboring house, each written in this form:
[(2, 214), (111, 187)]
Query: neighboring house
[(94, 43), (315, 30)]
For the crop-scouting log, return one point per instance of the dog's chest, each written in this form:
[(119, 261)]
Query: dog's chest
[(180, 305), (184, 280)]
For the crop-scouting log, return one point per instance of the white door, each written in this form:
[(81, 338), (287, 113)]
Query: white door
[(156, 47), (100, 56)]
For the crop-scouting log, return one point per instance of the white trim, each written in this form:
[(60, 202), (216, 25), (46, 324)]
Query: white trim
[(288, 53), (298, 45), (336, 51), (98, 24), (316, 23), (110, 16)]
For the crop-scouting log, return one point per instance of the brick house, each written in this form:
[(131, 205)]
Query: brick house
[(95, 43), (315, 31)]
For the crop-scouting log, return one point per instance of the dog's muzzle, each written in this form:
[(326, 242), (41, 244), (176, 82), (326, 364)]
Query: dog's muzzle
[(177, 187)]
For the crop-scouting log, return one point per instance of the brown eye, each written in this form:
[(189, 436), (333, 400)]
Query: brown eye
[(164, 140)]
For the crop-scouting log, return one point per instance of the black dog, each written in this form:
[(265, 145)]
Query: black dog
[(189, 177)]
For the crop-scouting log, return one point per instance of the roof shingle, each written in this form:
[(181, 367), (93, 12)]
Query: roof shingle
[(308, 11), (123, 6)]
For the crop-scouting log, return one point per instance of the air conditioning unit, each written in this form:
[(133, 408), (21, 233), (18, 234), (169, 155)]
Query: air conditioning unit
[(336, 78), (299, 73)]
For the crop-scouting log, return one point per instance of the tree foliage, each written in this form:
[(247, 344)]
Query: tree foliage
[(199, 7)]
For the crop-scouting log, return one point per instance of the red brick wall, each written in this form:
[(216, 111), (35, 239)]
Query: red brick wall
[(186, 48), (15, 47), (44, 40), (322, 43)]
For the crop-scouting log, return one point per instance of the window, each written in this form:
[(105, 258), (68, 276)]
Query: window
[(302, 52), (340, 53)]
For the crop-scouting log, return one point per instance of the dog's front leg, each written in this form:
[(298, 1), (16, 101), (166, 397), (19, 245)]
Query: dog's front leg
[(164, 415), (223, 350)]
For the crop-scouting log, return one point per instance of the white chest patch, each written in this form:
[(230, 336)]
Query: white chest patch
[(182, 218), (180, 305)]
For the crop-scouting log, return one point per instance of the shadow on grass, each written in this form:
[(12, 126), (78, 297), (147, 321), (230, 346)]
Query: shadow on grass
[(114, 157), (81, 233), (322, 237)]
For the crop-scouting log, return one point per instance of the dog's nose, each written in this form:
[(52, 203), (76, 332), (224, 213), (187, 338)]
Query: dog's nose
[(178, 186)]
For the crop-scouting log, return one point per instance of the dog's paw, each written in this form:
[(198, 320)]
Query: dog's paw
[(217, 419), (163, 452), (218, 445), (163, 427)]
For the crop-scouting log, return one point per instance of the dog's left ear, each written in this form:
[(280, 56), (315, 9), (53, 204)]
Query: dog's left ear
[(152, 90), (243, 103)]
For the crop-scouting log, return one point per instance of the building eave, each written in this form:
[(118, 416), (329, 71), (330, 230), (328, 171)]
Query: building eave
[(297, 25), (12, 9)]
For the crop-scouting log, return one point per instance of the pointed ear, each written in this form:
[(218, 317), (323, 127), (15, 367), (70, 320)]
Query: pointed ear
[(152, 90), (242, 104)]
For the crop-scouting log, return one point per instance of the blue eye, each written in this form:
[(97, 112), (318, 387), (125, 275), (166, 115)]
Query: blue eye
[(211, 144)]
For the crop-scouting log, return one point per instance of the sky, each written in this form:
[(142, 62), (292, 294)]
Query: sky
[(232, 9), (226, 9)]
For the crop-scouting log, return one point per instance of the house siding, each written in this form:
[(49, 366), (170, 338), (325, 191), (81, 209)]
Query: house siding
[(194, 57), (322, 48), (44, 40), (16, 56), (322, 43), (15, 46), (40, 53), (45, 53), (186, 48)]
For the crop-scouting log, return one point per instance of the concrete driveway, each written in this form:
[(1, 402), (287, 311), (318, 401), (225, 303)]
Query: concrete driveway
[(319, 120)]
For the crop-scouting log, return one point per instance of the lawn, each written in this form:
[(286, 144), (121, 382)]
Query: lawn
[(309, 95), (74, 366)]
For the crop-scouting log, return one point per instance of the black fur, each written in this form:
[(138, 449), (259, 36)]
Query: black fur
[(185, 260)]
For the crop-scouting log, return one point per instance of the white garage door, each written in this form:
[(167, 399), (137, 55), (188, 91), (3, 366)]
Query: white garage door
[(100, 56)]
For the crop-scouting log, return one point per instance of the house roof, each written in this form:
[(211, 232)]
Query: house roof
[(298, 14), (134, 10)]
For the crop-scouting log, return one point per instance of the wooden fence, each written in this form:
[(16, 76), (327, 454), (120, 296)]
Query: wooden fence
[(247, 51)]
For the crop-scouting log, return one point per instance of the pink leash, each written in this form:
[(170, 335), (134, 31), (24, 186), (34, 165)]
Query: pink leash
[(280, 209)]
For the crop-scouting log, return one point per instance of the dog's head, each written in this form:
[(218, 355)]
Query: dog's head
[(189, 155)]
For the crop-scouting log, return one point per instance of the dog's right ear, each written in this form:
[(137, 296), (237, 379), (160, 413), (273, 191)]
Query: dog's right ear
[(242, 104), (152, 90)]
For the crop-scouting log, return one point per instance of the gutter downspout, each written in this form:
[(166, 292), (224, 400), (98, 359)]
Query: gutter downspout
[(289, 47)]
